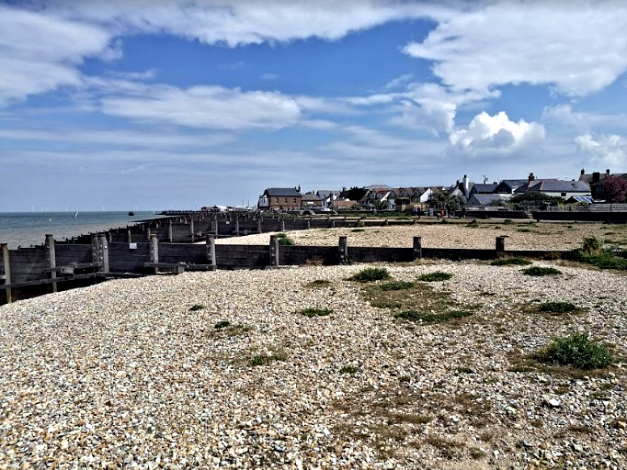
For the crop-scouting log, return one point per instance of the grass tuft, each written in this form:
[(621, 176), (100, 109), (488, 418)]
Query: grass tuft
[(576, 351), (222, 324), (473, 224), (435, 276), (541, 271), (511, 261), (316, 312), (352, 370), (196, 307), (264, 360), (319, 283), (370, 274)]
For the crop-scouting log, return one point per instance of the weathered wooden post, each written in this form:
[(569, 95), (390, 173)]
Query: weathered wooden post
[(7, 270), (109, 236), (274, 250), (211, 252), (191, 227), (259, 225), (154, 251), (129, 235), (215, 231), (333, 223), (104, 252), (417, 248), (170, 232), (148, 233), (282, 224), (500, 247), (96, 256), (309, 223), (343, 249), (386, 222), (237, 225), (51, 258)]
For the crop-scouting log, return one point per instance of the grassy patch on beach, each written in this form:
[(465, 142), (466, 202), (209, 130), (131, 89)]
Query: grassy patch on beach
[(196, 307), (316, 312), (396, 285), (318, 283), (351, 370), (431, 318), (592, 252), (473, 224), (577, 351), (436, 276), (558, 307), (541, 271), (370, 275), (517, 261), (358, 230), (222, 324), (266, 359)]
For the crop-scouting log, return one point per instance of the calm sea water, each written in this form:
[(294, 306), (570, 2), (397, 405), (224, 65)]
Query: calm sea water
[(30, 228)]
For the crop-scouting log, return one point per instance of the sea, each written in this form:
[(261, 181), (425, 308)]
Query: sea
[(30, 228)]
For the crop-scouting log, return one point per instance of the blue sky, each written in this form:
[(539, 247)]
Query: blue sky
[(178, 104)]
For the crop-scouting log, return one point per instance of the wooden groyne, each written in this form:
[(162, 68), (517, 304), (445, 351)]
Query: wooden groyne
[(170, 246)]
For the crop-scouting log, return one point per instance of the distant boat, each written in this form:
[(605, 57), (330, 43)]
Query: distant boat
[(76, 215), (131, 214)]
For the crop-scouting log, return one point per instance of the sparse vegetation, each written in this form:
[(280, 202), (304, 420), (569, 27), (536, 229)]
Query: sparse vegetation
[(577, 351), (558, 307), (435, 276), (541, 271), (286, 241), (196, 307), (432, 318), (511, 261), (352, 370), (358, 230), (319, 283), (592, 252), (264, 360), (370, 275), (222, 324), (316, 312), (396, 285), (473, 224)]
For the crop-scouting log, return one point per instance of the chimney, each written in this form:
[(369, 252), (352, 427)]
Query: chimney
[(465, 180), (583, 172), (596, 177), (298, 189), (607, 172), (531, 177), (485, 180)]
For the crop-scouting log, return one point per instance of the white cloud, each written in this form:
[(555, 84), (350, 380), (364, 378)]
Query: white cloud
[(496, 134), (604, 149), (579, 48), (564, 115), (212, 107), (39, 53)]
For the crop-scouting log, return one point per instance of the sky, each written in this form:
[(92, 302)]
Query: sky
[(166, 104)]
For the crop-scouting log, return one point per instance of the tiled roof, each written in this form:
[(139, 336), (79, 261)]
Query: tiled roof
[(282, 192)]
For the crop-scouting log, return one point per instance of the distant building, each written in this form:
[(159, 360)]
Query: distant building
[(281, 199)]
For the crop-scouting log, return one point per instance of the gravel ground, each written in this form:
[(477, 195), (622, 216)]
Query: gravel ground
[(129, 373), (521, 235)]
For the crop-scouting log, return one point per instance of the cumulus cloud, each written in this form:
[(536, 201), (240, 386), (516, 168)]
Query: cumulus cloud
[(604, 149), (496, 134), (212, 107), (578, 49), (39, 53)]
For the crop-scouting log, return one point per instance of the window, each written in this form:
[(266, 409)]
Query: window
[(276, 199), (294, 200), (563, 194), (285, 200)]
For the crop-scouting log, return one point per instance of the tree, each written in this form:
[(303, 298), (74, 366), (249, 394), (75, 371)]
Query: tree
[(615, 189), (355, 193), (443, 200)]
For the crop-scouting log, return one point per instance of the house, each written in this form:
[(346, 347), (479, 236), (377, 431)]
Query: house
[(343, 205), (280, 199), (379, 198), (554, 187), (482, 189), (327, 197), (596, 181), (311, 201), (509, 186)]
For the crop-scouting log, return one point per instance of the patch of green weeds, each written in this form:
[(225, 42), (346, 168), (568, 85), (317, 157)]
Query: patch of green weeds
[(286, 241), (435, 276), (370, 275), (351, 370), (404, 379), (432, 318), (222, 324), (396, 285), (316, 312), (508, 222), (358, 230), (558, 307), (541, 271), (473, 224), (577, 351), (511, 261), (196, 307)]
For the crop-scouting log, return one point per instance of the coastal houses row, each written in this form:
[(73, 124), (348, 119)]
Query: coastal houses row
[(586, 189)]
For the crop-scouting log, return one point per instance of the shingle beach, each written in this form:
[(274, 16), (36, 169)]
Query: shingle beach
[(146, 373)]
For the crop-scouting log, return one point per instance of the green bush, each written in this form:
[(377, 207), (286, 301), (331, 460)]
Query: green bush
[(558, 307), (511, 261), (397, 285), (286, 241), (541, 271), (473, 224), (349, 370), (577, 351), (316, 312), (435, 276), (264, 360), (281, 235), (591, 246), (508, 222), (222, 324), (196, 307), (370, 274), (358, 230)]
